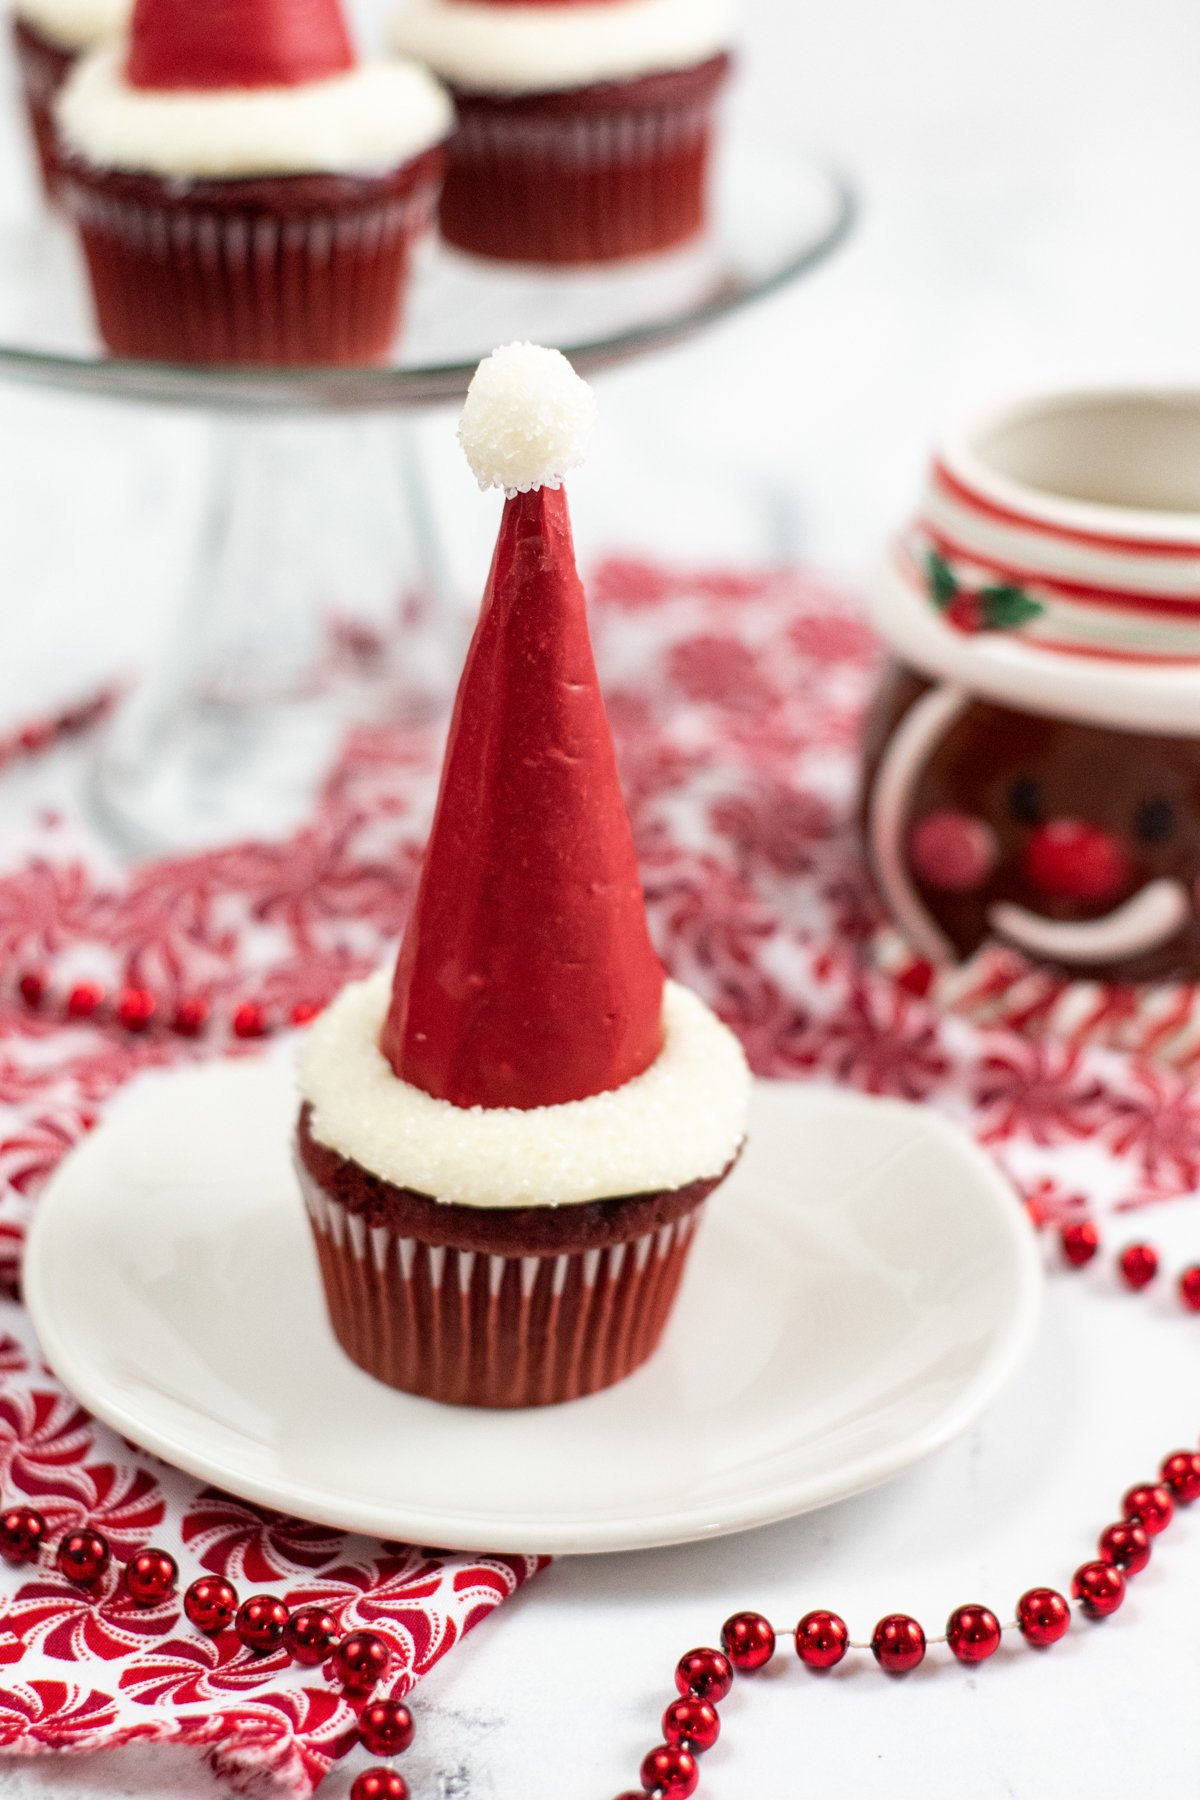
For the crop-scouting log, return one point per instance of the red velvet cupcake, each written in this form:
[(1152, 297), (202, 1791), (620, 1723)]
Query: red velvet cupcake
[(245, 191), (584, 129), (48, 38), (505, 1144)]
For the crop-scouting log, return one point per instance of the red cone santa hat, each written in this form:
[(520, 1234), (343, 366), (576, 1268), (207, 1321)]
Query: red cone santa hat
[(236, 43), (526, 976)]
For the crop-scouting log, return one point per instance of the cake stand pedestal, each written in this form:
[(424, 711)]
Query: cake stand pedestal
[(318, 596)]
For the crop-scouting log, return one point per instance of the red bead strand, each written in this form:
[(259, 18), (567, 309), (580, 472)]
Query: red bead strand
[(1080, 1243), (1181, 1473), (973, 1633), (211, 1605), (150, 1577), (386, 1784), (691, 1725), (310, 1636), (22, 1535), (822, 1640), (1138, 1265), (1127, 1545), (386, 1727), (1099, 1588), (898, 1644), (748, 1641), (84, 1557), (706, 1674), (261, 1622), (670, 1773)]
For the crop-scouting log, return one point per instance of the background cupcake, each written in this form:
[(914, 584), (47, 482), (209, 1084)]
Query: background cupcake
[(48, 36), (584, 129), (246, 192), (505, 1146)]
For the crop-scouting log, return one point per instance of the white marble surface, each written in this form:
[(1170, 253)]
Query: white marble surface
[(1029, 215)]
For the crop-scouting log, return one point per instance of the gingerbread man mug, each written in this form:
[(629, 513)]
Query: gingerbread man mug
[(1031, 795)]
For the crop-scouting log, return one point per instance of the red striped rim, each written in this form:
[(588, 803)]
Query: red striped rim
[(1162, 605), (1007, 515)]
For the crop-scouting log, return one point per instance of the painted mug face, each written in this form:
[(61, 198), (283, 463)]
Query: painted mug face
[(1077, 844)]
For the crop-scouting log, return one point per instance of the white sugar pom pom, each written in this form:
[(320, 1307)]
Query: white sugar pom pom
[(527, 419)]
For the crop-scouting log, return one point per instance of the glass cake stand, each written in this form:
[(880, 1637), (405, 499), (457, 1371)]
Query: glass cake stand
[(318, 591)]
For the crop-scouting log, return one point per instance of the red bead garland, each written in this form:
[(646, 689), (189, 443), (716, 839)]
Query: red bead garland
[(150, 1577), (1099, 1588), (1189, 1288), (260, 1623), (671, 1773), (360, 1661), (1151, 1505), (211, 1604), (898, 1644), (821, 1640), (1127, 1545), (691, 1725), (22, 1534), (311, 1635), (706, 1674), (386, 1727), (1181, 1473), (1138, 1265), (973, 1633), (83, 1557), (748, 1641), (386, 1784), (1043, 1617), (1080, 1243)]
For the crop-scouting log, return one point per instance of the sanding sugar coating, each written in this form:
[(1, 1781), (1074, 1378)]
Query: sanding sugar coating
[(539, 49), (73, 24), (527, 419), (680, 1122), (375, 117)]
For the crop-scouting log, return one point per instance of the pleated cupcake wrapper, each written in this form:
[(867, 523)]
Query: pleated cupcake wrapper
[(476, 1329), (184, 284), (43, 70), (591, 188), (998, 987)]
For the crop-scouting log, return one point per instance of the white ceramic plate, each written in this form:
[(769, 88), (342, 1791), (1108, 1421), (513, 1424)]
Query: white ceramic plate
[(859, 1290)]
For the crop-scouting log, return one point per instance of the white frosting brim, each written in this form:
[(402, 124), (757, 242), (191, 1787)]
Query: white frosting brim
[(538, 49), (371, 119), (682, 1121), (74, 24)]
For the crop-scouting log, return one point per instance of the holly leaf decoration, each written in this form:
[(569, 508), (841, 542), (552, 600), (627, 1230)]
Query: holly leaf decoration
[(943, 582), (1007, 608)]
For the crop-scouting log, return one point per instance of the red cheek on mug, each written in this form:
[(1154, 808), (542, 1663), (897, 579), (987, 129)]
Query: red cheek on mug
[(953, 852)]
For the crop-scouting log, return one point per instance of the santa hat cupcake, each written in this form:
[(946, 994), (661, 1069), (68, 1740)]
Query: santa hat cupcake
[(584, 126), (245, 190), (1032, 799), (506, 1141), (49, 36)]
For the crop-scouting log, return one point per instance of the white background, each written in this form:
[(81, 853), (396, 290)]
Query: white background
[(1029, 176)]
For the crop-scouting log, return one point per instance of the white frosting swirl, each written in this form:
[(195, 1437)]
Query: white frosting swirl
[(682, 1121), (74, 24), (371, 119), (540, 49)]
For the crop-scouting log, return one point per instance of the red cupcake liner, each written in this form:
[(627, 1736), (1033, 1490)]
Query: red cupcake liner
[(44, 67), (473, 1328), (595, 175), (281, 271)]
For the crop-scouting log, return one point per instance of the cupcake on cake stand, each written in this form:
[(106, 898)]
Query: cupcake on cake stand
[(318, 592)]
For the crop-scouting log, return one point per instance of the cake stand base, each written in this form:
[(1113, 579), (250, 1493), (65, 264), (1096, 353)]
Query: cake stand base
[(317, 601)]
